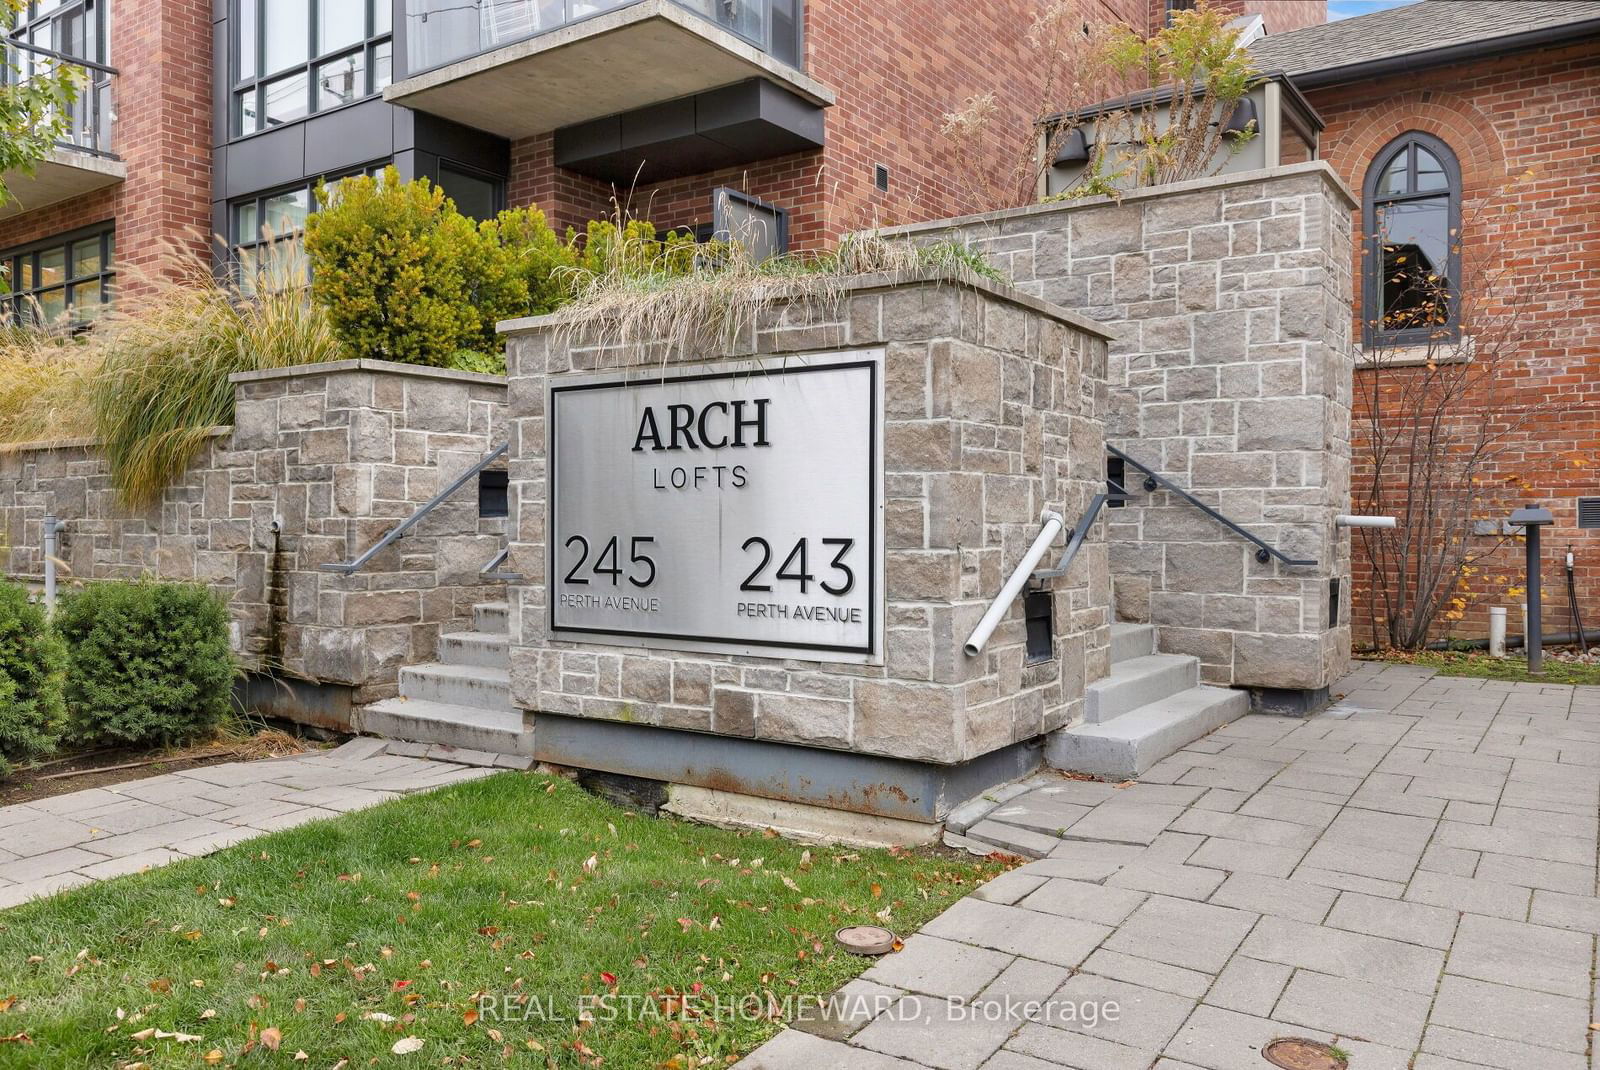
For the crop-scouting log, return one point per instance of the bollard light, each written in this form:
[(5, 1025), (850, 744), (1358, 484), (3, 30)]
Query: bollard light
[(1530, 519)]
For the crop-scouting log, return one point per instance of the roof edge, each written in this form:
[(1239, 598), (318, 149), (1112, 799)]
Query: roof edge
[(1403, 63)]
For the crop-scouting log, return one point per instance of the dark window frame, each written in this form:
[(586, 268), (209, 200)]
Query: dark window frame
[(240, 244), (33, 19), (467, 170), (1372, 268), (16, 302), (255, 85), (719, 224)]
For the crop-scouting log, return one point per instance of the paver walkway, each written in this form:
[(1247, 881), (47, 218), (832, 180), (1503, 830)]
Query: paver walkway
[(1410, 875), (68, 840)]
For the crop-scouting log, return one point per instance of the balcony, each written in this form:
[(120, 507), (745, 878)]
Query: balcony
[(522, 67), (83, 160)]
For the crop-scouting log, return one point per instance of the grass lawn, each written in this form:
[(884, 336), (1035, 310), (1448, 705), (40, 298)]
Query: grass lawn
[(1459, 663), (344, 938)]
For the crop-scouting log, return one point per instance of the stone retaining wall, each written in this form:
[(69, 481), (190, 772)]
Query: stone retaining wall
[(993, 405), (1230, 374), (337, 454)]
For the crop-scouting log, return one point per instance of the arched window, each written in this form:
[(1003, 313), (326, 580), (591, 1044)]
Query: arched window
[(1413, 223)]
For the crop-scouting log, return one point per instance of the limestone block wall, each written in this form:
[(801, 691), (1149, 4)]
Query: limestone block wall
[(993, 404), (1230, 373), (337, 454)]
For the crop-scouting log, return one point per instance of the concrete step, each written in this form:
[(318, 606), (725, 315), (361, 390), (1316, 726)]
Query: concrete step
[(488, 649), (1130, 641), (459, 685), (1130, 744), (491, 617), (1138, 682), (467, 727)]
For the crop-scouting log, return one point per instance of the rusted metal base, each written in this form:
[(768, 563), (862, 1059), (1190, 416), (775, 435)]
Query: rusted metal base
[(859, 783), (1288, 701), (301, 701), (1298, 1053)]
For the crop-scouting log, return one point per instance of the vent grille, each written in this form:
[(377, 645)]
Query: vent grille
[(1589, 512)]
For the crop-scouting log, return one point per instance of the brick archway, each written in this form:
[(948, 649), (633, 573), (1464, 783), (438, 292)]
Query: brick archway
[(1448, 117)]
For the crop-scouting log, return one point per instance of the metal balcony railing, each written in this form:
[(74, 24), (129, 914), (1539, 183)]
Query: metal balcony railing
[(438, 32), (93, 115)]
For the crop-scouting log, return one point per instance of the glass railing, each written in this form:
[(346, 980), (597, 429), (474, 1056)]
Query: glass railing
[(443, 31), (91, 116)]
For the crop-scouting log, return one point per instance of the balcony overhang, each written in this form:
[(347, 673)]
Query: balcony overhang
[(623, 60), (753, 120), (60, 176)]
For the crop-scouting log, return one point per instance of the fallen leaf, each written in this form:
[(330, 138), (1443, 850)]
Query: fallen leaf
[(17, 1038), (608, 978), (213, 1057), (207, 1014), (407, 1045), (377, 1016), (7, 1003), (160, 985), (271, 1038), (469, 1017), (300, 1056)]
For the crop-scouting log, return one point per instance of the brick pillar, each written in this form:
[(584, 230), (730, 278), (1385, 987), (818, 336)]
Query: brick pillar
[(162, 49)]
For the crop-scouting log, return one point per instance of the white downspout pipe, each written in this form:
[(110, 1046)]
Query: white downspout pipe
[(52, 527), (1051, 526)]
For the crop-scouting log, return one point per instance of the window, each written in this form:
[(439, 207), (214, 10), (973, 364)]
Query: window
[(73, 29), (762, 228), (1176, 5), (296, 57), (64, 279), (1412, 208), (475, 195), (265, 231)]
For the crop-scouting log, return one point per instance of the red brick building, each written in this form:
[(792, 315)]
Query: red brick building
[(1489, 113), (214, 118)]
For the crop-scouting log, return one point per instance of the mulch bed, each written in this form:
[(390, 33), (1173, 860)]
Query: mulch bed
[(97, 769)]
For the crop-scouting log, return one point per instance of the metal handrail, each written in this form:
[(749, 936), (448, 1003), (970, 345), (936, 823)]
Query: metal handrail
[(1152, 481), (96, 105), (50, 53), (496, 561), (349, 567), (1075, 541)]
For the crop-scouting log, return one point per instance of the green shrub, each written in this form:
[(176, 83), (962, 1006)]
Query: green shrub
[(147, 662), (32, 663), (404, 276)]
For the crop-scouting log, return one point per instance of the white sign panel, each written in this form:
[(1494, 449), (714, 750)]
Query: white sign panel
[(729, 506)]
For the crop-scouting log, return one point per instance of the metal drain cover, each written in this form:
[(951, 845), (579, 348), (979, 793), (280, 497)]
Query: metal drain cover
[(865, 939), (1298, 1053)]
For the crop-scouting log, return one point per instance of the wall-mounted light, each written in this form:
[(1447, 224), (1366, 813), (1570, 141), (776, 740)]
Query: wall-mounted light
[(1242, 120), (1074, 149)]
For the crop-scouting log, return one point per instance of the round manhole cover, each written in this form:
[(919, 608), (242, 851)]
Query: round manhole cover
[(1297, 1053), (865, 939)]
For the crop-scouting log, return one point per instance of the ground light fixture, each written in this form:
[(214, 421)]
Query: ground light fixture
[(1298, 1053), (865, 939), (1530, 519)]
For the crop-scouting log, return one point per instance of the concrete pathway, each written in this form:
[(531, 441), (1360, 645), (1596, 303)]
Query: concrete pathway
[(68, 840), (1410, 875)]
